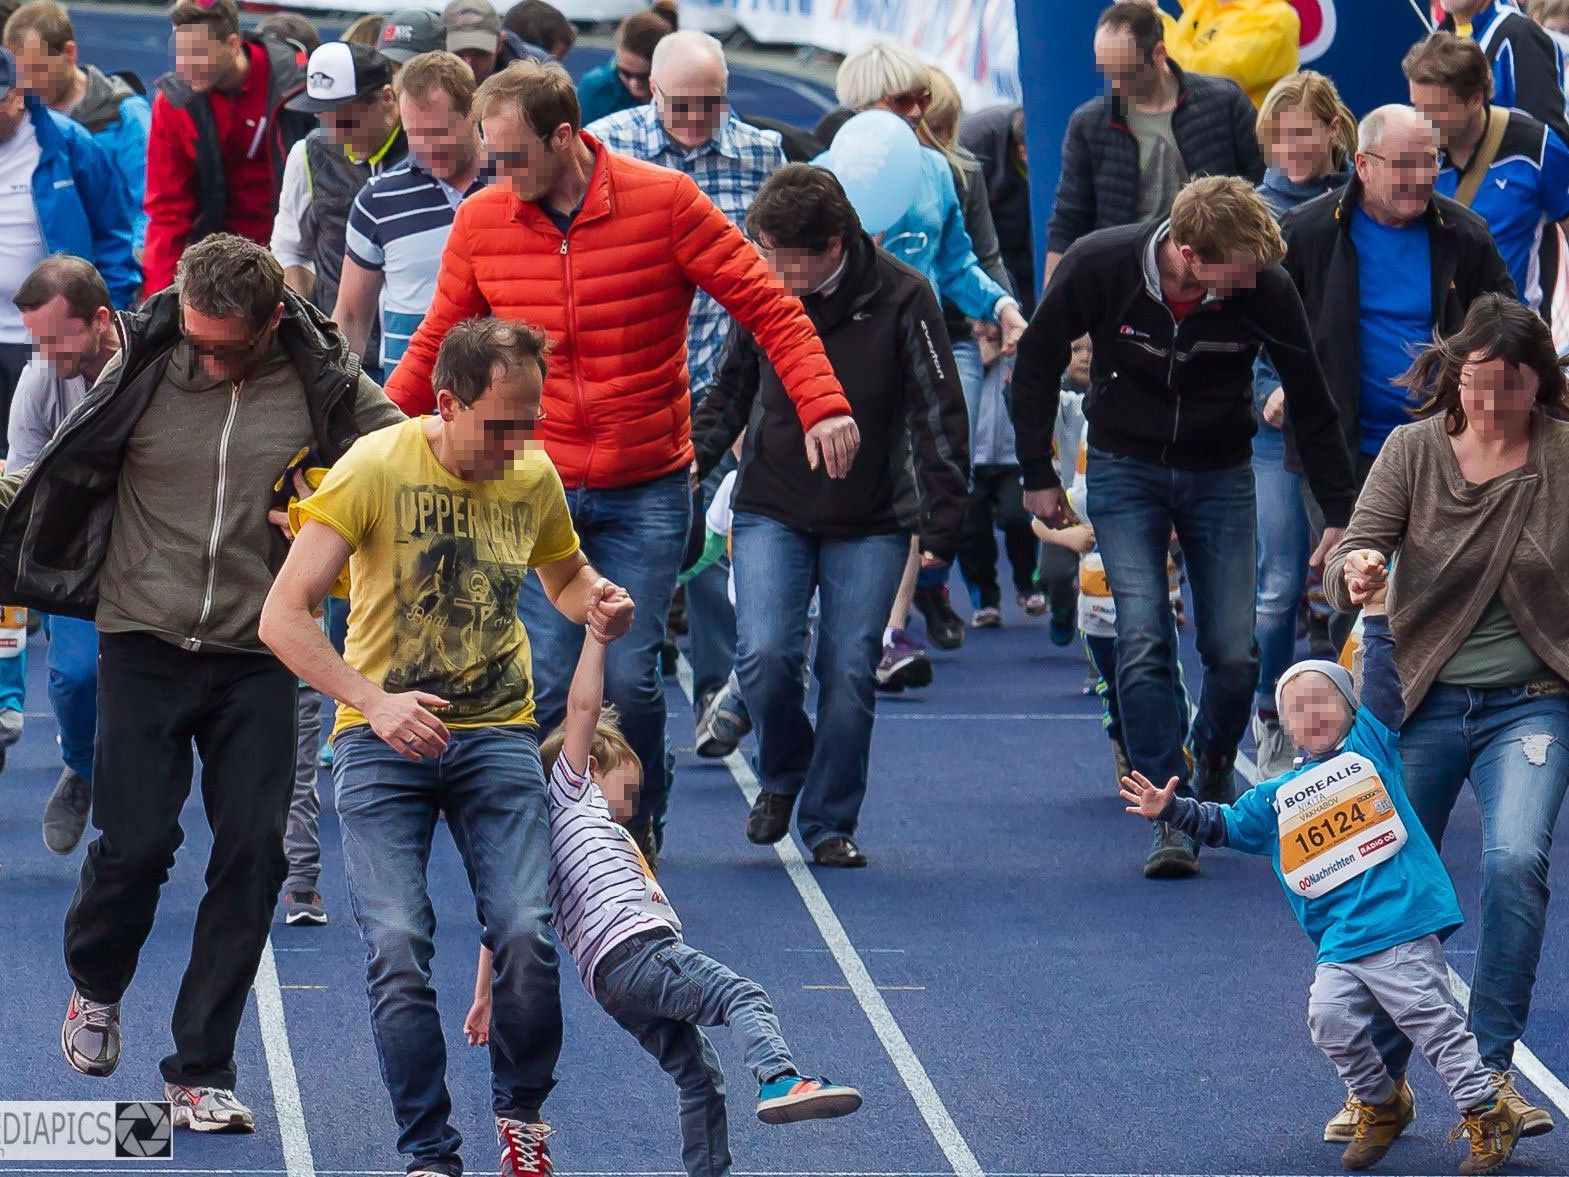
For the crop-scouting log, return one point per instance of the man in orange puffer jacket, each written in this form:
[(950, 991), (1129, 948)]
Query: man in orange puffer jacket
[(604, 254)]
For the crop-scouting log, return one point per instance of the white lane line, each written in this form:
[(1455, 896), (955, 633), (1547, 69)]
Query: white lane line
[(885, 712), (904, 1058), (297, 1159), (1525, 1060)]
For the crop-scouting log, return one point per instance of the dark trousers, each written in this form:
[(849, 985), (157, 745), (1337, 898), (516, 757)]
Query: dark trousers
[(154, 700), (13, 358), (996, 500)]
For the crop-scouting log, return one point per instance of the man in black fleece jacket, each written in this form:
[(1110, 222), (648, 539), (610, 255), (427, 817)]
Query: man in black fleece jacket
[(1176, 312), (797, 532)]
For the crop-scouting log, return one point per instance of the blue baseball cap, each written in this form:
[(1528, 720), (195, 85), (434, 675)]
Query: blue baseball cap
[(7, 72)]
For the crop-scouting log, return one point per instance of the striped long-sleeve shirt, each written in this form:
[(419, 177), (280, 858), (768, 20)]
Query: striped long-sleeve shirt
[(601, 890)]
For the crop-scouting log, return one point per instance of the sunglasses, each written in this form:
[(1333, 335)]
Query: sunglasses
[(700, 104), (910, 100), (224, 353), (628, 77)]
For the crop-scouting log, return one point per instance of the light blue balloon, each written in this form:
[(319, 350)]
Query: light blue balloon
[(877, 159)]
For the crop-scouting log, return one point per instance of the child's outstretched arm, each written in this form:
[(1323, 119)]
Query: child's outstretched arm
[(1381, 687), (585, 698), (1201, 820), (476, 1027)]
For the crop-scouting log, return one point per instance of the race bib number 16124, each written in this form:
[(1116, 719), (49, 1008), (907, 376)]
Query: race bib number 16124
[(1336, 821)]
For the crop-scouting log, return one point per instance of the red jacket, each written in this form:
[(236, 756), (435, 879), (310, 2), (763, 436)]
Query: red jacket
[(614, 295), (172, 199)]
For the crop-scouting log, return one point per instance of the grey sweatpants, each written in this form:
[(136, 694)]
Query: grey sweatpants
[(301, 842), (1410, 981)]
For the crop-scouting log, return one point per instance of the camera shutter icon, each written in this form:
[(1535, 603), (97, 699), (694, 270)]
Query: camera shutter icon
[(143, 1131)]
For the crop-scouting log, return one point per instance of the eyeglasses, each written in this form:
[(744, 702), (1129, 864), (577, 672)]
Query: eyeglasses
[(909, 101), (224, 353), (1421, 165), (704, 104)]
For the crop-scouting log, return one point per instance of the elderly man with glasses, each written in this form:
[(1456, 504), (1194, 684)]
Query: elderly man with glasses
[(688, 125)]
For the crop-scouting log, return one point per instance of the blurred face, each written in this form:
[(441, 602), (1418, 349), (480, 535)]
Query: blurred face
[(1235, 272), (1497, 396), (12, 111), (363, 125), (910, 105), (801, 270), (39, 71), (527, 164), (1557, 24), (1397, 176), (1131, 75), (69, 345), (1314, 713), (620, 785), (1452, 116), (483, 63), (1079, 362), (690, 96), (503, 420), (202, 59), (228, 348), (1301, 144), (634, 74), (441, 139)]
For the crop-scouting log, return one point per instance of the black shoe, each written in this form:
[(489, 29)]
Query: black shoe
[(942, 623), (1172, 855), (770, 817), (1215, 782), (838, 851)]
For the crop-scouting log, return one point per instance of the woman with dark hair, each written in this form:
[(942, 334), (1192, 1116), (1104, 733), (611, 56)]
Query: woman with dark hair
[(1466, 514)]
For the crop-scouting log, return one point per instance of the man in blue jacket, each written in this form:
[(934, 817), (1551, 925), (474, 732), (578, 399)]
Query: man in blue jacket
[(113, 108), (59, 193)]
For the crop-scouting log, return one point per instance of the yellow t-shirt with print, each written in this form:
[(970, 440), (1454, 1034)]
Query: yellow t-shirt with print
[(437, 567)]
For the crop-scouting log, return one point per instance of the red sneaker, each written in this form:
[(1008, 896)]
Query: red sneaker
[(523, 1151)]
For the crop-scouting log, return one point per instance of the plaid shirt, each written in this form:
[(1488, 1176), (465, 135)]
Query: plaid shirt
[(729, 169)]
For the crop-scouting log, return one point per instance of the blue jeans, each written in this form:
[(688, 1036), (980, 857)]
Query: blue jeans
[(1513, 746), (776, 571), (1102, 653), (1282, 561), (660, 991), (1134, 506), (710, 615), (489, 785), (636, 536), (73, 688)]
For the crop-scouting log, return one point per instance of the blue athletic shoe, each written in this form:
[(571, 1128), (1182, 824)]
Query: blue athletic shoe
[(791, 1098)]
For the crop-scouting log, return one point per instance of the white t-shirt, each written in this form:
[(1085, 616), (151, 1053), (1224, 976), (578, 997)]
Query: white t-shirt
[(294, 196), (21, 237), (601, 890)]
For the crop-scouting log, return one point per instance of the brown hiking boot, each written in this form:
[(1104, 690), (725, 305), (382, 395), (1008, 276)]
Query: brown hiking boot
[(1494, 1132), (1534, 1121), (1342, 1126), (1379, 1125)]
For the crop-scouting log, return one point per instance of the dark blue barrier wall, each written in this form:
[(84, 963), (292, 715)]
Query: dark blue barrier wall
[(1369, 37)]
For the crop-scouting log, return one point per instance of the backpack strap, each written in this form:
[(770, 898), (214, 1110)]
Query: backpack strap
[(1486, 152)]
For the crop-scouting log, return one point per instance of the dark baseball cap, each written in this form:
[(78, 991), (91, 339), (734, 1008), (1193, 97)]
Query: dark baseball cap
[(471, 24), (409, 32), (339, 72)]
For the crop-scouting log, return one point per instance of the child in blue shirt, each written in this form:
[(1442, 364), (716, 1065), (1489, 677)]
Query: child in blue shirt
[(1368, 888)]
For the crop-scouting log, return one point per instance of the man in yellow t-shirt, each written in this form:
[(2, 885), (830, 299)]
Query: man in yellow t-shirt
[(440, 520)]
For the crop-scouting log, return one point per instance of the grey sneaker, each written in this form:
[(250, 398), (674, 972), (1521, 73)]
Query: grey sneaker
[(10, 726), (724, 724), (65, 813), (304, 907), (208, 1109), (1276, 755), (1172, 854), (90, 1036)]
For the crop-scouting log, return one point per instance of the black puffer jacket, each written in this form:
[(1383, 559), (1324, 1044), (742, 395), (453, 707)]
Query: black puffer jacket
[(1214, 125), (884, 335), (988, 135)]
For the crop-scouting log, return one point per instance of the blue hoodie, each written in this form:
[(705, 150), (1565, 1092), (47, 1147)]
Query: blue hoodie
[(82, 202), (117, 118), (1400, 899)]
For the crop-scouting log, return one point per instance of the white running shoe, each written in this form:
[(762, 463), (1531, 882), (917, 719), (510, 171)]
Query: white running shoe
[(208, 1109)]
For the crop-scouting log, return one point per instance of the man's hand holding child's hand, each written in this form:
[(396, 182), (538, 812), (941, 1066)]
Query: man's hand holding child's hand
[(1144, 798), (1367, 577), (610, 610)]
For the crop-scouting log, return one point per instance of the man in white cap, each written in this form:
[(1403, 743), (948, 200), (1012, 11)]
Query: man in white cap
[(475, 34)]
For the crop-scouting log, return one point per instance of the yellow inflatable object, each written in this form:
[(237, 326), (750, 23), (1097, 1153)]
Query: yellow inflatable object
[(1252, 42)]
